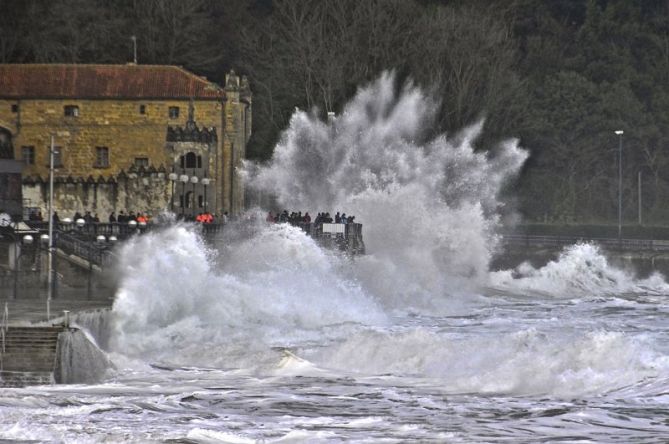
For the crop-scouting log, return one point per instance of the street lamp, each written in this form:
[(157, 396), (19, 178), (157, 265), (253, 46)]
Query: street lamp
[(184, 180), (620, 185), (50, 271), (67, 223), (18, 252), (80, 223), (173, 178), (194, 180), (205, 182)]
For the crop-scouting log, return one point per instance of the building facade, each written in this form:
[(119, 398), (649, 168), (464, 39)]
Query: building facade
[(142, 138), (10, 179)]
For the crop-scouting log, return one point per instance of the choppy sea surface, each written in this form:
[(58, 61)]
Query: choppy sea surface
[(264, 336), (507, 365)]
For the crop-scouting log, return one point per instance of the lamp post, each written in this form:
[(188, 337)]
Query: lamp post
[(639, 199), (194, 180), (18, 252), (205, 182), (49, 267), (66, 224), (173, 178), (184, 180), (620, 185), (80, 223)]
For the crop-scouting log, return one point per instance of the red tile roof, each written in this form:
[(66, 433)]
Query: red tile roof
[(103, 82)]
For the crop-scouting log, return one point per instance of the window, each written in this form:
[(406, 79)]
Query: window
[(101, 157), (191, 160), (15, 108), (28, 155), (142, 109), (174, 112), (141, 162), (200, 201), (71, 110)]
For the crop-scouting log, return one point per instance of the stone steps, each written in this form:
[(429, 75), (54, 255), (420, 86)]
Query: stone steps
[(29, 356), (21, 379)]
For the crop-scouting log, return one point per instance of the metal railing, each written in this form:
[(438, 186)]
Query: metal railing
[(609, 243), (81, 241), (4, 325), (85, 249), (91, 230)]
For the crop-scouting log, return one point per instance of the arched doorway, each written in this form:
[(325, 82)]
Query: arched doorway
[(11, 194), (6, 147)]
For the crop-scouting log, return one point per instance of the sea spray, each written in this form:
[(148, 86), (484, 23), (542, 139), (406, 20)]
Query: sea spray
[(98, 323), (430, 210), (429, 206), (523, 362), (78, 360), (581, 270), (276, 287)]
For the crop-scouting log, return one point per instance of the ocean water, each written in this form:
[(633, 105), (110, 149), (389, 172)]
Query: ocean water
[(263, 336)]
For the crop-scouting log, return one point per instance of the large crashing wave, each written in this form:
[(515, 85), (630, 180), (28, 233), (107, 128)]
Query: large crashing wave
[(429, 207), (430, 210), (173, 298)]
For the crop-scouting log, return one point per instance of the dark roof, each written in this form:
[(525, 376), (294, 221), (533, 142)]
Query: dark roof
[(103, 82)]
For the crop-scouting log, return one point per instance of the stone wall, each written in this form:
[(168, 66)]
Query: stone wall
[(115, 124), (146, 192)]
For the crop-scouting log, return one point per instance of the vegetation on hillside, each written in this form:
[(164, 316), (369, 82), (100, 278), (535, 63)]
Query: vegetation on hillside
[(560, 75)]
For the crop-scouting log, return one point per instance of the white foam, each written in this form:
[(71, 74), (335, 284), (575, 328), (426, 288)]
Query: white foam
[(526, 362), (581, 270), (429, 205), (172, 299), (430, 210)]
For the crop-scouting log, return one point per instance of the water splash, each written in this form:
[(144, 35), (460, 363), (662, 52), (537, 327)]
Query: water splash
[(429, 206), (581, 270), (277, 287), (430, 209), (524, 362)]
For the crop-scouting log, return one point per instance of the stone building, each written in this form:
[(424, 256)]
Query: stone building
[(141, 138), (10, 178)]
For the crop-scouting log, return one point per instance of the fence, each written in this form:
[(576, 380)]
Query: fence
[(608, 243), (81, 241)]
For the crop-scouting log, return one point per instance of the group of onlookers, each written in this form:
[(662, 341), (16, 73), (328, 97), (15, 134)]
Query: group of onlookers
[(205, 218), (295, 217), (298, 217), (124, 218)]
